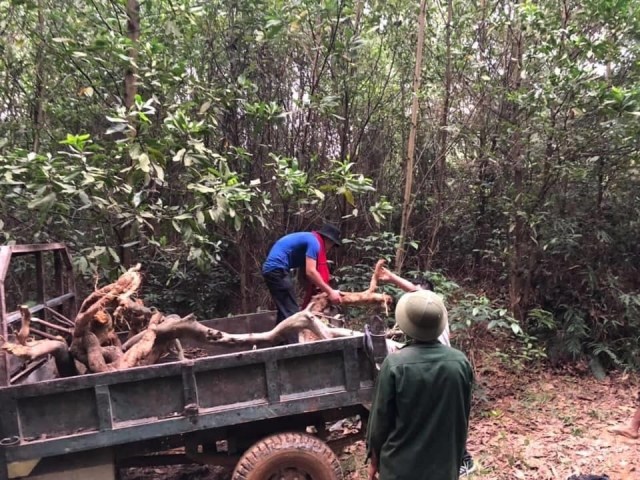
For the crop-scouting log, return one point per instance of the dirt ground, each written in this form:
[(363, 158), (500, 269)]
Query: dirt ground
[(527, 423), (545, 426)]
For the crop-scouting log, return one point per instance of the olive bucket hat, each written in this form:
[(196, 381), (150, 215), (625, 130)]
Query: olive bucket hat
[(332, 233), (421, 315)]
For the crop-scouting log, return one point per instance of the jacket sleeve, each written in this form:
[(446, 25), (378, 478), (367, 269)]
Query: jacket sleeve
[(382, 417)]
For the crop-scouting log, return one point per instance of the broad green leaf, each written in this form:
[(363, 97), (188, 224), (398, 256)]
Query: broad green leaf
[(144, 163)]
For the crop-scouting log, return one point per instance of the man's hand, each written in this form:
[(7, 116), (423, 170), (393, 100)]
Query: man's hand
[(335, 296), (373, 468), (384, 275)]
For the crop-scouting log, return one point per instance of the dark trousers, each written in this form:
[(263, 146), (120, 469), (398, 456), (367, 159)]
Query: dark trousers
[(283, 293)]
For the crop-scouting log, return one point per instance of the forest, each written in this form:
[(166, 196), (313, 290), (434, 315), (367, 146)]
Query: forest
[(189, 135), (489, 147)]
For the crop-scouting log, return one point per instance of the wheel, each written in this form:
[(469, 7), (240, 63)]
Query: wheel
[(288, 456)]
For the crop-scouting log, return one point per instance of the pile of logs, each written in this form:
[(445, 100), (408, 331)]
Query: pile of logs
[(95, 347)]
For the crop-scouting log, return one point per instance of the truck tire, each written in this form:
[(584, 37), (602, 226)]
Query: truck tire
[(288, 456)]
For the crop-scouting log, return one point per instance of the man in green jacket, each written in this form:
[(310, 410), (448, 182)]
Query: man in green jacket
[(420, 414)]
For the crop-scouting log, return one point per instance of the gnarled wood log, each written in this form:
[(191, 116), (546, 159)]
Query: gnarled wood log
[(122, 289), (41, 348), (23, 333), (188, 327), (96, 345), (368, 297)]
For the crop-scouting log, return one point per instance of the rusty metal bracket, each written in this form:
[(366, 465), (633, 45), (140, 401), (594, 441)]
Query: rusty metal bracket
[(9, 441), (375, 344)]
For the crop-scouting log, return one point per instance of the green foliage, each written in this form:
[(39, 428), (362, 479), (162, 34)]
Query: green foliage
[(471, 309), (355, 277)]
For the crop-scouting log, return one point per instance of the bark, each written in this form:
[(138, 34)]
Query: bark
[(519, 281), (35, 349), (130, 91)]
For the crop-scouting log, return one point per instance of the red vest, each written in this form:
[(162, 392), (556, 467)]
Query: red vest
[(321, 266)]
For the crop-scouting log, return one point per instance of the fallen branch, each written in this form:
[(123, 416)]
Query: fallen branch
[(321, 300), (174, 327), (142, 348), (35, 349), (23, 333), (122, 289), (41, 348)]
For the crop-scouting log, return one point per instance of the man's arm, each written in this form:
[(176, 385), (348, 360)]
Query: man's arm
[(390, 277), (373, 467), (316, 279), (383, 414)]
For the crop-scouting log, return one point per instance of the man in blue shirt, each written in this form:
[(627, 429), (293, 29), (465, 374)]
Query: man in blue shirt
[(302, 250)]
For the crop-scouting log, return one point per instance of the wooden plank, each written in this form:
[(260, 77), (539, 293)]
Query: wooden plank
[(42, 334), (62, 319), (52, 326), (71, 307), (32, 367)]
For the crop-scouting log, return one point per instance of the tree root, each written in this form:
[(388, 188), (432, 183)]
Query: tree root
[(121, 290), (94, 343)]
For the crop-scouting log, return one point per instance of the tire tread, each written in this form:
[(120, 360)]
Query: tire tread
[(261, 450)]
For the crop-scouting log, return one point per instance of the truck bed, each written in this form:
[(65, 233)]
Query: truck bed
[(93, 411)]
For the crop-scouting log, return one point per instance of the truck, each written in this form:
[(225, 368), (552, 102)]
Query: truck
[(262, 412)]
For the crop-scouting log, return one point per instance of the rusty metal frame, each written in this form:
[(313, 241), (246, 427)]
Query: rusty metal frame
[(63, 298)]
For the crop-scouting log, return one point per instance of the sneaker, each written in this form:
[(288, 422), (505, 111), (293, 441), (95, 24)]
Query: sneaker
[(467, 466)]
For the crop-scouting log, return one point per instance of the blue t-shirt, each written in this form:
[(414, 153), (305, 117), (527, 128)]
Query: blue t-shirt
[(291, 251)]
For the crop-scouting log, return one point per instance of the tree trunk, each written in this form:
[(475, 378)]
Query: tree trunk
[(133, 33), (407, 203), (518, 239), (440, 170), (39, 89), (130, 92)]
